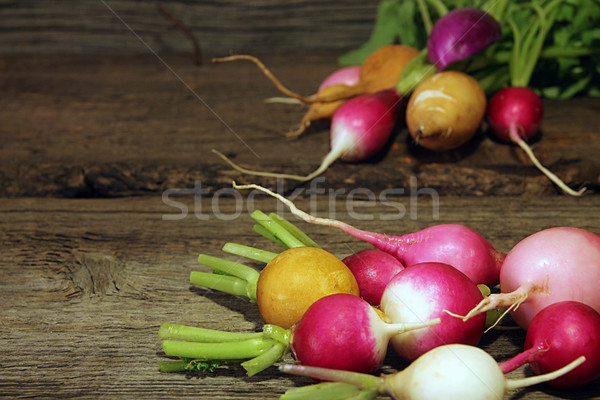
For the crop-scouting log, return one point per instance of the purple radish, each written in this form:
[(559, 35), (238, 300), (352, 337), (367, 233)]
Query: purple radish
[(424, 291), (515, 114), (556, 336), (373, 270), (549, 266), (456, 245), (450, 372), (459, 34), (360, 128)]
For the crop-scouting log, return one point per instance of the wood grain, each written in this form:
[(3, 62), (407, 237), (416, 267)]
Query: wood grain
[(86, 283), (105, 126), (128, 26)]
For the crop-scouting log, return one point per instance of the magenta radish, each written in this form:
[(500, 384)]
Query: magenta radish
[(373, 270), (459, 34), (515, 114), (337, 331), (552, 265), (360, 128), (344, 332), (456, 245), (557, 335), (450, 372), (424, 291)]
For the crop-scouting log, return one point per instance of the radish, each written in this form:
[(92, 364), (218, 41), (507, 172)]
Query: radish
[(456, 245), (346, 76), (450, 372), (338, 331), (459, 34), (342, 331), (425, 291), (373, 270), (557, 335), (549, 266), (445, 110), (360, 128), (515, 114)]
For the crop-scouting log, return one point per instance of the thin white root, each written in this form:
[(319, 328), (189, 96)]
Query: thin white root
[(525, 147), (293, 209), (282, 100), (534, 380)]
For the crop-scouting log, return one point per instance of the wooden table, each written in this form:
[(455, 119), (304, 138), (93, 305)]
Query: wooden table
[(110, 191)]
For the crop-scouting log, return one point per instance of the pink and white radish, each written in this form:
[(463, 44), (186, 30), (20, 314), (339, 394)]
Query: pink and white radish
[(552, 265), (450, 372), (556, 336), (360, 128), (424, 291), (515, 115), (453, 244), (345, 76), (373, 270), (342, 331)]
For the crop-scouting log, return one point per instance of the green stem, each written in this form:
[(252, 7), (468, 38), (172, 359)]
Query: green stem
[(276, 229), (425, 16), (249, 252), (243, 349), (261, 230), (329, 391), (224, 283), (229, 267), (265, 360), (172, 366), (294, 230), (194, 334)]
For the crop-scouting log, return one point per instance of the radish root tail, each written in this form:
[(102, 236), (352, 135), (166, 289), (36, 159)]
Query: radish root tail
[(295, 210), (553, 177)]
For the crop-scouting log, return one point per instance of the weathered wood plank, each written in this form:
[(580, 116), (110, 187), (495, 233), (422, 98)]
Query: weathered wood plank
[(106, 126), (86, 282), (127, 26)]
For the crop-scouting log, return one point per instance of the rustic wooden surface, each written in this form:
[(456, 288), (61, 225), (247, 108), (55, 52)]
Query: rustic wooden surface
[(68, 26), (98, 159), (129, 125)]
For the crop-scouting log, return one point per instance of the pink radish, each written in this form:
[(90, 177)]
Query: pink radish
[(556, 336), (337, 331), (373, 270), (515, 114), (346, 76), (450, 372), (342, 331), (456, 245), (552, 265), (360, 128), (424, 291)]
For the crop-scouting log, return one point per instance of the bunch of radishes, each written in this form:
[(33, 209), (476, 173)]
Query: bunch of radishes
[(418, 294), (443, 105)]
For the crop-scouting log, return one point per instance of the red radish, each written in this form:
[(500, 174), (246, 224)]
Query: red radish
[(359, 129), (556, 336), (425, 291), (347, 76), (342, 331), (456, 245), (549, 266), (338, 331), (373, 270), (450, 372), (515, 114)]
